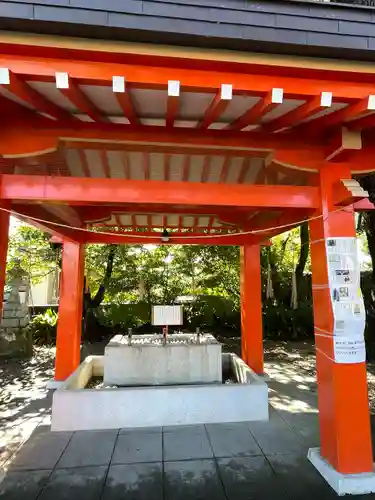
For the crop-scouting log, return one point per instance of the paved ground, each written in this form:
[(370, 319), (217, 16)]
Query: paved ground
[(234, 461)]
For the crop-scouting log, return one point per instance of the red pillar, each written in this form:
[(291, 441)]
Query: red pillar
[(251, 308), (345, 434), (4, 236), (70, 310)]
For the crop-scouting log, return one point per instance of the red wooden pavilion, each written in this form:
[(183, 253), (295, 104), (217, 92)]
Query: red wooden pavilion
[(215, 147)]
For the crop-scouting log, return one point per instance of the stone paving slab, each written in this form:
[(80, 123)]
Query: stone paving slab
[(136, 447), (229, 440), (192, 480), (248, 478), (134, 482), (89, 448), (187, 443), (23, 485), (82, 483), (41, 451), (275, 436)]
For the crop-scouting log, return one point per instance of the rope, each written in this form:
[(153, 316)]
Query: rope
[(145, 237)]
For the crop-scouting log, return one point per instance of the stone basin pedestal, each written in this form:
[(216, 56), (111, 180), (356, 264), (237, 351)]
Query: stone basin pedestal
[(147, 361)]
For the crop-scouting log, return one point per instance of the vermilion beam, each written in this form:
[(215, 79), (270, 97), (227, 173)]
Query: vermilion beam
[(254, 114), (214, 111), (80, 191), (22, 137), (362, 123), (105, 163), (25, 212), (172, 111), (293, 118), (157, 76), (341, 116), (156, 239), (23, 91), (77, 97), (125, 101)]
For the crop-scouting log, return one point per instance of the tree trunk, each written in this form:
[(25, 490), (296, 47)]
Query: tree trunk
[(303, 256), (90, 305)]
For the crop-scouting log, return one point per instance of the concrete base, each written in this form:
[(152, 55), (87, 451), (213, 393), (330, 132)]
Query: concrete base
[(147, 361), (54, 384), (75, 408), (343, 484)]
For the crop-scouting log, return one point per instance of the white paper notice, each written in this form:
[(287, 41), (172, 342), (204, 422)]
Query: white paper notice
[(167, 315), (347, 301)]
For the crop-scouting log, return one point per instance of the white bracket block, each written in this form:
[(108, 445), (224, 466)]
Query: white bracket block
[(118, 84), (343, 484), (277, 96), (62, 80), (4, 76), (226, 92), (371, 102), (173, 88), (326, 99)]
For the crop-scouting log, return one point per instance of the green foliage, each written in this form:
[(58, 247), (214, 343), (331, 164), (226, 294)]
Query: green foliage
[(30, 250), (43, 328), (123, 316)]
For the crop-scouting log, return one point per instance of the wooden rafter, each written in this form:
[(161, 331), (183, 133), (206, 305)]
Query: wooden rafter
[(80, 100), (349, 113), (214, 111), (126, 103), (225, 169), (186, 168), (125, 161), (205, 169), (146, 166), (84, 163), (167, 167), (172, 110), (105, 163), (244, 168), (253, 115), (294, 117), (19, 88)]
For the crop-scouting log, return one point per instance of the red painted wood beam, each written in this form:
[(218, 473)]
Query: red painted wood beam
[(214, 111), (105, 163), (23, 137), (350, 112), (133, 238), (156, 76), (172, 111), (19, 88), (126, 103), (254, 114), (26, 211), (291, 119), (81, 191), (80, 100)]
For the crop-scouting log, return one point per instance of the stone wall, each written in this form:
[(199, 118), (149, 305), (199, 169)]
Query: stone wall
[(14, 339)]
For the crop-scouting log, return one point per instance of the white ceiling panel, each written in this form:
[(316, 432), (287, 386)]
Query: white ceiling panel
[(196, 168), (136, 166), (156, 162)]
